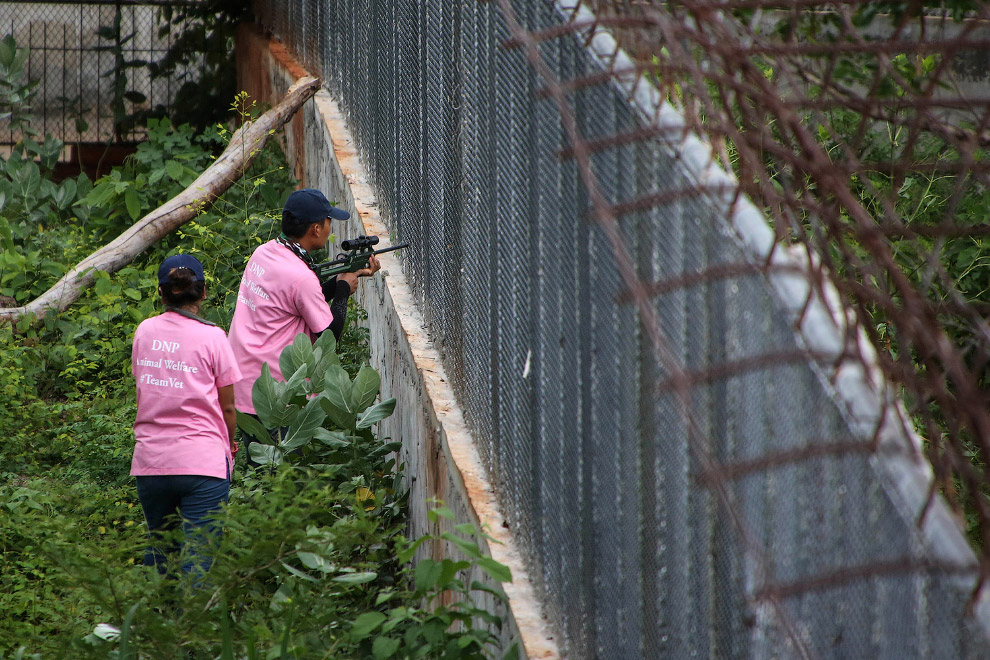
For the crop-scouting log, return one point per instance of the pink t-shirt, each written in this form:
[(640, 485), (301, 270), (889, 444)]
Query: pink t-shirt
[(178, 364), (279, 298)]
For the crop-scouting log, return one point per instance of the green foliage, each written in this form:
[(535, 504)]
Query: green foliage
[(207, 31), (313, 548), (312, 562), (16, 93)]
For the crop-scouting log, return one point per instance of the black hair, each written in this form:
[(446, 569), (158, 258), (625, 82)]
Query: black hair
[(182, 288), (293, 227)]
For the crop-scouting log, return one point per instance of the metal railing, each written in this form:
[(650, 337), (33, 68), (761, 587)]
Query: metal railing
[(90, 58)]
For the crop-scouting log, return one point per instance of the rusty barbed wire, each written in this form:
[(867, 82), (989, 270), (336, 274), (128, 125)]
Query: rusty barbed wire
[(847, 124)]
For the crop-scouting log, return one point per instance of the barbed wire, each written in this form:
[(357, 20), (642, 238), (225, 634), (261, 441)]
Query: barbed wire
[(853, 126)]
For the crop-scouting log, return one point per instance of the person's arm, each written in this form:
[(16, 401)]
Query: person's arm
[(226, 396), (336, 291)]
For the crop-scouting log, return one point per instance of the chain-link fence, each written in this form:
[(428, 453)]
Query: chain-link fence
[(94, 63), (691, 434)]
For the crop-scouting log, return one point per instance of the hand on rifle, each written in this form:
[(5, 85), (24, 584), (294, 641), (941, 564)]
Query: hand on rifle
[(352, 278)]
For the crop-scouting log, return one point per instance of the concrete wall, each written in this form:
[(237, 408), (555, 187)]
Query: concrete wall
[(438, 452)]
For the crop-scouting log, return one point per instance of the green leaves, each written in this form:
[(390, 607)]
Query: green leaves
[(365, 388), (174, 169), (266, 399), (344, 399), (133, 203), (384, 647), (337, 390), (294, 411), (375, 414), (366, 624)]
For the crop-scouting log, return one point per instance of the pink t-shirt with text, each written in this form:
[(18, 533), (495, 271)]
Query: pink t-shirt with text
[(279, 297), (178, 364)]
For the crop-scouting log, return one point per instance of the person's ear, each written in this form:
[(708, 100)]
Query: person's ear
[(203, 297)]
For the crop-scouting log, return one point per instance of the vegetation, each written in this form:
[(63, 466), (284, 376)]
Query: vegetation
[(313, 562)]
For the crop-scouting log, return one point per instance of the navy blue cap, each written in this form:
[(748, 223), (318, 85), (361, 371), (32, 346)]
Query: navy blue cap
[(180, 261), (310, 205)]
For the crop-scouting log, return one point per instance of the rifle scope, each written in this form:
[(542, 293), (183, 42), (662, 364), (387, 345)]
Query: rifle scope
[(359, 243)]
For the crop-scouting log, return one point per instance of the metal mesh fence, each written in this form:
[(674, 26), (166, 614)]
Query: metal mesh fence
[(89, 60), (687, 425)]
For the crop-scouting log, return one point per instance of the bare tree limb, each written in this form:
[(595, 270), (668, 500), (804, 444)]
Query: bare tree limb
[(244, 146)]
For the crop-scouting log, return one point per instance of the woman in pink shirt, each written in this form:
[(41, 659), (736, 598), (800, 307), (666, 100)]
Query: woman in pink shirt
[(184, 430)]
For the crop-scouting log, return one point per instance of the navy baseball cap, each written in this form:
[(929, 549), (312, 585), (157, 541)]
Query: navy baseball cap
[(310, 205), (180, 261)]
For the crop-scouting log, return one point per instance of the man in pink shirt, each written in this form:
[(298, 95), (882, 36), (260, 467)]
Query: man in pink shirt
[(281, 296)]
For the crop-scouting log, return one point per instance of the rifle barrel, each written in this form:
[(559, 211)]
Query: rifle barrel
[(337, 262), (389, 249)]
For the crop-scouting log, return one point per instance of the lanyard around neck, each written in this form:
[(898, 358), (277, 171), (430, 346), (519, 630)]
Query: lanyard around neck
[(296, 249)]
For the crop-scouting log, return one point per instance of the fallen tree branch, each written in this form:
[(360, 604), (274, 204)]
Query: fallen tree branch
[(244, 146)]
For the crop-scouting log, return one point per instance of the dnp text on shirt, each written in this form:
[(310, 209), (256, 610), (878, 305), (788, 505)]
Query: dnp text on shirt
[(279, 298)]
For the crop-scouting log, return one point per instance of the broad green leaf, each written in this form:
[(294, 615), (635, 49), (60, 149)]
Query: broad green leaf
[(327, 343), (265, 454), (384, 648), (365, 388), (299, 574), (264, 395), (356, 578), (299, 352), (68, 191), (427, 574), (293, 385), (315, 561), (133, 203), (56, 270), (439, 512), (407, 553), (174, 169), (340, 418), (449, 572), (495, 570), (325, 356), (337, 389), (7, 49), (385, 449), (133, 294), (376, 413), (306, 423), (251, 426), (469, 548), (465, 528), (334, 439), (366, 624), (100, 194), (481, 586)]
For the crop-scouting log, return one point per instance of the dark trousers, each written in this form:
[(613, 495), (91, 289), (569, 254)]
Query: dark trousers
[(196, 499)]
